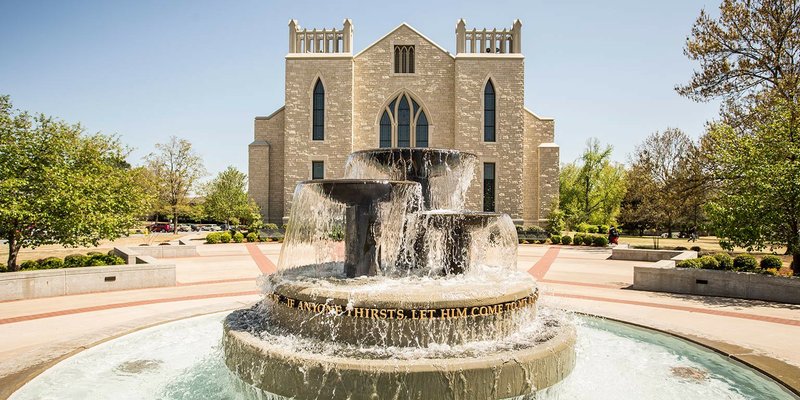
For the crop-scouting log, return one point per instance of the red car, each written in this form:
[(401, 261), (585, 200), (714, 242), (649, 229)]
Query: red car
[(160, 227)]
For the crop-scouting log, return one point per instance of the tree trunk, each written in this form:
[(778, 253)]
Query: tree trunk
[(175, 220), (13, 252)]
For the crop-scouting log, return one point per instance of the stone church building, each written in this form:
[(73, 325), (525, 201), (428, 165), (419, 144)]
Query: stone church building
[(404, 90)]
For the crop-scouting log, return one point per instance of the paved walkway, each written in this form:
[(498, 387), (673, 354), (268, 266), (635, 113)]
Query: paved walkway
[(37, 333)]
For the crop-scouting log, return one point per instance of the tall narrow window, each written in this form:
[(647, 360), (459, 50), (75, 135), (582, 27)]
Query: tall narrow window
[(386, 130), (403, 123), (318, 170), (488, 187), (319, 112), (488, 113), (422, 130), (404, 59)]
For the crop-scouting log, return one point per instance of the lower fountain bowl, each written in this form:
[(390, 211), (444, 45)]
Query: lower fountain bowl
[(275, 368)]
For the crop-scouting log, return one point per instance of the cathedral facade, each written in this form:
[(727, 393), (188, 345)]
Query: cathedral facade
[(404, 90)]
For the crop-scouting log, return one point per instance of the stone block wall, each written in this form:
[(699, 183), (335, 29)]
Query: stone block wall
[(266, 166), (538, 131), (302, 72), (506, 71), (376, 84)]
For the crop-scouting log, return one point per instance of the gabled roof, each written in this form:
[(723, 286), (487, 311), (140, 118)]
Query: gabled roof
[(413, 30)]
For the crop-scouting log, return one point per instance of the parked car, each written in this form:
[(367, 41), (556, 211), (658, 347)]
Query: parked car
[(184, 228), (160, 227)]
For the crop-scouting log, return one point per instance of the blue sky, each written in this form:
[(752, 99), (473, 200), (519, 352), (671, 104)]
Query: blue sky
[(201, 70)]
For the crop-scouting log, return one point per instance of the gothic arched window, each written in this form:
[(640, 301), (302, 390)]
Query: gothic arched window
[(403, 124), (318, 123), (489, 112)]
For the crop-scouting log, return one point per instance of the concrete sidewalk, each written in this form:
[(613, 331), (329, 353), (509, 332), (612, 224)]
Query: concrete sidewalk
[(39, 332)]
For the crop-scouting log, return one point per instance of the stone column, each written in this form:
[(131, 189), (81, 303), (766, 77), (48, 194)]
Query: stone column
[(258, 175), (516, 35), (548, 178), (461, 36), (293, 36), (348, 35)]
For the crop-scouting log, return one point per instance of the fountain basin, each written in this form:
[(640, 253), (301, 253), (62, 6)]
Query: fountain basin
[(410, 311), (501, 374)]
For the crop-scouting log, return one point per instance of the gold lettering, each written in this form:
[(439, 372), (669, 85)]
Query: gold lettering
[(462, 312), (382, 313), (391, 313), (414, 314), (401, 314), (444, 313), (473, 311), (290, 302)]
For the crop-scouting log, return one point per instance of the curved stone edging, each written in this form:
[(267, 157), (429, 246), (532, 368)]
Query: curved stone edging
[(307, 376)]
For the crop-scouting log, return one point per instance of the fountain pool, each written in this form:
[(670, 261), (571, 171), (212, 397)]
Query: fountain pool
[(185, 360)]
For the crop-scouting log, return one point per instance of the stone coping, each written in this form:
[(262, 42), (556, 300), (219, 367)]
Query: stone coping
[(626, 253)]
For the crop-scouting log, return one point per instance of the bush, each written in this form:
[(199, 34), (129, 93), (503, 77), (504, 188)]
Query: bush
[(689, 263), (770, 262), (541, 241), (29, 265), (708, 262), (725, 261), (578, 239), (744, 262), (238, 237), (534, 230), (252, 237), (3, 268), (271, 227), (592, 229), (225, 237), (768, 271), (97, 260), (566, 239), (588, 240), (555, 239), (695, 248), (680, 248), (51, 263), (582, 227), (213, 238), (603, 229), (115, 260), (520, 229), (600, 241)]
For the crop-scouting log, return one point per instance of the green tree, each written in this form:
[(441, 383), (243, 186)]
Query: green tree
[(749, 58), (592, 187), (666, 188), (176, 170), (60, 186), (758, 204), (226, 198)]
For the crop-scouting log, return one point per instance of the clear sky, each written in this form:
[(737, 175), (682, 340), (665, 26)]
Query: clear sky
[(201, 70)]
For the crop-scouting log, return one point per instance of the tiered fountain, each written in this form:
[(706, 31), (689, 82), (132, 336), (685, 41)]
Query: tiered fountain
[(423, 300)]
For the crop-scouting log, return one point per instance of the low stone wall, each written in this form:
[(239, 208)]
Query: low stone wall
[(619, 253), (166, 251), (67, 281), (663, 277)]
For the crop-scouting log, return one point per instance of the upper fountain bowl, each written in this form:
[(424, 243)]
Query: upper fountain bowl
[(444, 174)]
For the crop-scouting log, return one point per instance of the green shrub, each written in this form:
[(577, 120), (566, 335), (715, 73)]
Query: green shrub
[(725, 261), (600, 241), (225, 237), (555, 239), (520, 229), (582, 227), (75, 261), (29, 265), (771, 261), (51, 263), (588, 240), (603, 229), (566, 239), (695, 248), (271, 227), (591, 229), (708, 262), (680, 248), (213, 237), (238, 237), (3, 268), (252, 237), (534, 230), (115, 260), (285, 227), (689, 263), (94, 253), (541, 241), (744, 262), (768, 271), (97, 260), (578, 239)]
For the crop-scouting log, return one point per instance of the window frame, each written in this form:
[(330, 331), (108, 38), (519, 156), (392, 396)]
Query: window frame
[(314, 163), (392, 110), (407, 59), (321, 103), (486, 191), (489, 84)]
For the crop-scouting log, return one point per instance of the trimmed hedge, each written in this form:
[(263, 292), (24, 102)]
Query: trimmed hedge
[(95, 259), (695, 248), (725, 261), (689, 263), (708, 262), (771, 262), (566, 239), (238, 237), (252, 237), (588, 240), (600, 241), (555, 239), (745, 262)]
